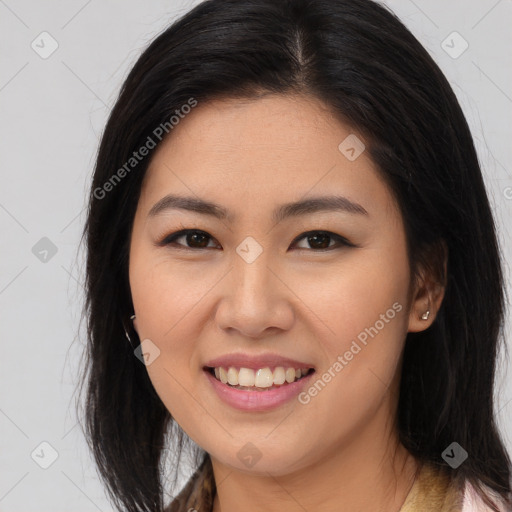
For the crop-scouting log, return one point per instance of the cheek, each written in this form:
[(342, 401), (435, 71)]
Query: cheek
[(366, 316), (163, 301), (166, 302), (354, 297), (165, 293), (364, 306)]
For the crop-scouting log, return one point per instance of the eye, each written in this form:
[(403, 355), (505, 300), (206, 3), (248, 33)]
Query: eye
[(319, 240), (197, 239)]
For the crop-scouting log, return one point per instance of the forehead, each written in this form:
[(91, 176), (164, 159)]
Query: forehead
[(264, 151), (280, 121)]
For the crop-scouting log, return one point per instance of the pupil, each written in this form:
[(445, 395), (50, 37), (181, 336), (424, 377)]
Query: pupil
[(190, 235), (316, 237)]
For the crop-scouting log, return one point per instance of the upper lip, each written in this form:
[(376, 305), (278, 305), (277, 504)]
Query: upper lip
[(256, 361)]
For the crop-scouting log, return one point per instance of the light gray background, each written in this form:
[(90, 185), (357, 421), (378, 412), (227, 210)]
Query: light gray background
[(53, 113)]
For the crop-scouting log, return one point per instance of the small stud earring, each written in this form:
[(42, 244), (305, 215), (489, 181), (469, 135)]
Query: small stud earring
[(132, 317), (425, 315)]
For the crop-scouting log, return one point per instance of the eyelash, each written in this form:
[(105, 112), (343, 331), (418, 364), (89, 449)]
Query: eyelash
[(170, 239)]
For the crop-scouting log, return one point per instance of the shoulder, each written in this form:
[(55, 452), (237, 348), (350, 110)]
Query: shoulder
[(474, 503), (437, 489)]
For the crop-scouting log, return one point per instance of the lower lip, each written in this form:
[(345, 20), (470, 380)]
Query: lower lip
[(257, 400)]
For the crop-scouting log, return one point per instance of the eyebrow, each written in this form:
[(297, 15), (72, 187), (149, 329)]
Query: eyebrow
[(284, 211)]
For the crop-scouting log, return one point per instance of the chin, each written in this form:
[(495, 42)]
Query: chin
[(253, 461)]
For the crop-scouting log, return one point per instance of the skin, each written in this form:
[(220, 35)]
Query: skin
[(339, 451)]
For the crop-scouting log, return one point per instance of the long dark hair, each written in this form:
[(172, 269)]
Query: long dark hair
[(357, 57)]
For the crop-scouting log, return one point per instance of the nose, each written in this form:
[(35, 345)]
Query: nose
[(255, 299)]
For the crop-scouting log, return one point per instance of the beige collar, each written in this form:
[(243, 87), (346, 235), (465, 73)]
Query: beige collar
[(434, 490)]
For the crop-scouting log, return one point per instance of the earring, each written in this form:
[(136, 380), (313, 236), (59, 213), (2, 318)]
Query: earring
[(425, 315), (126, 333)]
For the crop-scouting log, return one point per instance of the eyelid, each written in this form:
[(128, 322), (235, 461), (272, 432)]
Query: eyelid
[(170, 239), (341, 239)]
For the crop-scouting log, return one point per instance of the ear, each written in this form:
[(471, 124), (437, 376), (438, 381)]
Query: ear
[(429, 288)]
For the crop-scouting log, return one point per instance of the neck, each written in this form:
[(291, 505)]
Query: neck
[(367, 475)]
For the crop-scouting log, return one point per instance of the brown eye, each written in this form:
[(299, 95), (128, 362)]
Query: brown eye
[(197, 238), (320, 240), (194, 239)]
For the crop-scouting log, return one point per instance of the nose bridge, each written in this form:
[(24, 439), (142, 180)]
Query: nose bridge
[(251, 273), (253, 299)]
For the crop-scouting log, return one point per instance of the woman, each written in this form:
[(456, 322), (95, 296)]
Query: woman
[(288, 222)]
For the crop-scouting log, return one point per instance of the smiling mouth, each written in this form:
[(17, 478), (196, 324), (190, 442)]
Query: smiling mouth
[(263, 379)]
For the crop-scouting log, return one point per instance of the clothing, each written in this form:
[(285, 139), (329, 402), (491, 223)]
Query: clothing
[(198, 492), (433, 491)]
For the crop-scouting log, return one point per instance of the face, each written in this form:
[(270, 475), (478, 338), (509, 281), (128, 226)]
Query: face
[(326, 288)]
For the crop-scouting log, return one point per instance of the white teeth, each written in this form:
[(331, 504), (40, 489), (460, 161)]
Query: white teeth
[(290, 375), (261, 378), (233, 377), (279, 375), (264, 378), (246, 377), (223, 375)]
